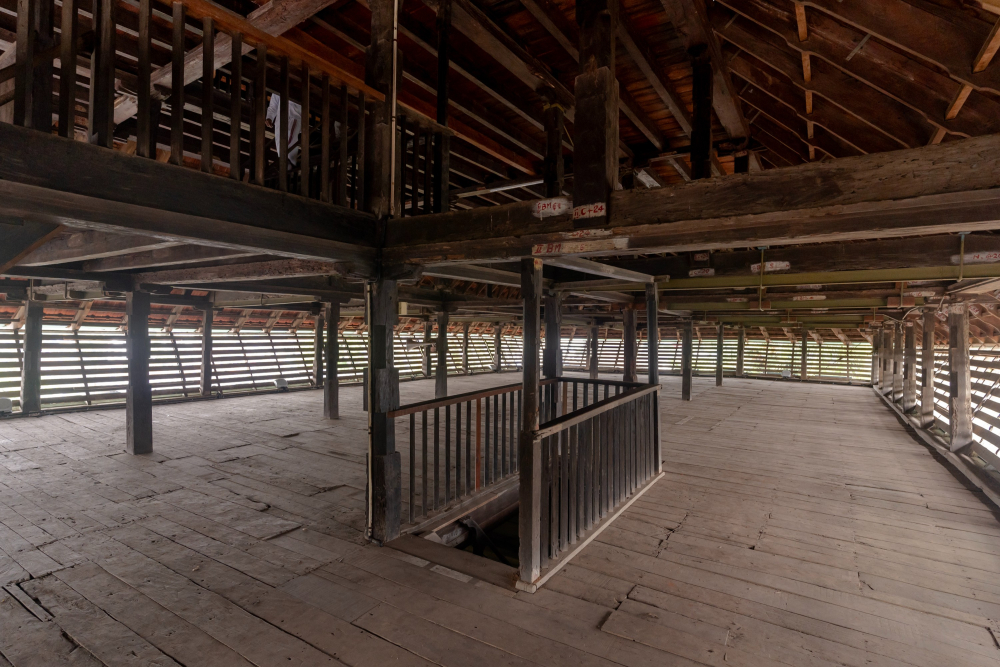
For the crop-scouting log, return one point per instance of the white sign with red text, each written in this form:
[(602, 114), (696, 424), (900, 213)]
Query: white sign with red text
[(598, 210), (546, 208), (771, 267), (985, 257), (578, 247), (700, 273)]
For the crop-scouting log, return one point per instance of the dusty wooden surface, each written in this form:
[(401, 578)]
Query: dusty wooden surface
[(796, 525)]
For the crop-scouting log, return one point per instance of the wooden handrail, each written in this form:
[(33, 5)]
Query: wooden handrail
[(232, 22), (404, 410), (583, 414)]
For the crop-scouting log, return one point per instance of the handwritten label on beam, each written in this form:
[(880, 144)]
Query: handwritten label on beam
[(700, 273), (771, 267), (547, 208), (598, 210), (985, 257), (809, 297), (578, 247)]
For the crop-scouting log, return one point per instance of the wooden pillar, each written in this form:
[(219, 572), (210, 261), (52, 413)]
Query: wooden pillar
[(102, 74), (139, 394), (927, 369), (465, 348), (740, 350), (425, 361), (631, 345), (441, 370), (687, 349), (442, 143), (701, 118), (897, 362), (552, 362), (961, 380), (653, 332), (31, 367), (909, 368), (384, 495), (595, 130), (803, 356), (331, 380), (720, 339), (595, 362), (207, 318), (529, 452), (380, 74), (885, 375), (498, 345), (741, 162), (876, 356), (554, 169), (318, 350)]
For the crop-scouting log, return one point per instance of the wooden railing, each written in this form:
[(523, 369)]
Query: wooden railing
[(593, 459), (80, 73)]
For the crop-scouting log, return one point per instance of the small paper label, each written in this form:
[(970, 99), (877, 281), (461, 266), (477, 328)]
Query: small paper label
[(986, 257), (919, 294), (700, 273), (598, 210), (701, 257), (547, 208), (809, 297), (770, 267)]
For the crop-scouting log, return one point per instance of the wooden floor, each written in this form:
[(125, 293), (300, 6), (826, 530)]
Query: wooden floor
[(796, 525)]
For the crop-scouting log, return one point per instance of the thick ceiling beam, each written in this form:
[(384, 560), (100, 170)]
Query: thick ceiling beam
[(279, 268), (477, 274), (172, 256), (19, 238), (81, 246), (929, 190), (598, 269)]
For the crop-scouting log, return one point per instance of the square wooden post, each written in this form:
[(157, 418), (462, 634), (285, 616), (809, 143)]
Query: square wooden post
[(740, 350), (384, 484), (718, 355), (498, 345), (207, 318), (885, 375), (961, 380), (687, 369), (909, 368), (331, 381), (804, 355), (876, 356), (31, 367), (927, 369), (425, 361), (653, 333), (139, 394), (552, 361), (897, 362), (529, 452), (594, 358), (631, 345), (441, 371), (318, 350), (465, 348)]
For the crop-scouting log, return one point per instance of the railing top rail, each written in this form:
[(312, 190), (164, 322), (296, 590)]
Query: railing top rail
[(404, 410), (613, 383), (577, 416)]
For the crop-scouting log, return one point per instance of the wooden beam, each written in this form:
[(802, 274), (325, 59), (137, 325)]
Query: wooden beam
[(21, 238), (597, 269), (90, 245), (929, 190), (173, 255), (989, 50), (279, 268), (139, 394)]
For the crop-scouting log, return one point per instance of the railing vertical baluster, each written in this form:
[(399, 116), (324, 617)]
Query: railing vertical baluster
[(447, 454), (305, 162), (479, 444), (497, 472), (414, 191), (413, 461), (573, 481), (177, 87), (143, 130), (281, 126), (590, 499), (458, 450), (629, 448), (511, 465), (554, 506), (207, 92), (437, 457), (343, 160), (546, 503), (359, 161), (564, 487), (488, 468), (576, 387), (520, 424), (236, 108), (324, 149), (504, 468), (468, 448), (423, 500), (67, 69), (259, 113)]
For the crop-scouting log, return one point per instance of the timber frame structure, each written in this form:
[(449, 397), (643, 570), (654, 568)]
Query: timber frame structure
[(735, 170)]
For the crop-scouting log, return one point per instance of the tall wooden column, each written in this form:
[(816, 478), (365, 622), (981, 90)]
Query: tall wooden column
[(740, 350), (554, 169), (528, 451), (595, 130), (804, 355), (441, 371), (701, 118), (139, 394), (425, 361), (653, 332), (442, 146), (207, 319), (595, 362), (885, 375), (961, 380), (909, 368), (384, 495), (687, 369), (380, 74), (720, 341), (465, 348), (552, 362), (318, 350), (927, 369), (331, 381), (876, 356), (31, 367), (498, 345), (897, 362), (631, 342)]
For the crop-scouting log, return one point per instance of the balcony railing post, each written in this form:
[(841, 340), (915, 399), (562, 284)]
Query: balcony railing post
[(927, 369), (961, 380), (529, 451)]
